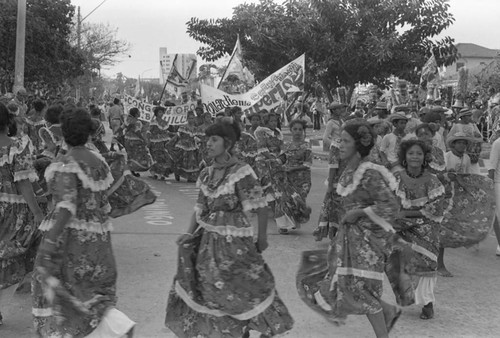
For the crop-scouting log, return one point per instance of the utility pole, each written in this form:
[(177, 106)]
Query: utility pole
[(79, 42), (20, 45)]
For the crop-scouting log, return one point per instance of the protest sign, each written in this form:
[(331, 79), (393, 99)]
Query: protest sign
[(266, 95), (174, 115)]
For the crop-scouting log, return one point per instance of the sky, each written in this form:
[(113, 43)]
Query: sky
[(150, 24)]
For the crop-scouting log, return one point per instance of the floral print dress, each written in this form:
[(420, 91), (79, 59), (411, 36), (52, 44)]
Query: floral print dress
[(159, 138), (223, 287), (292, 210), (247, 149), (139, 158), (19, 236), (187, 152), (417, 251), (72, 300), (269, 168), (349, 278), (34, 123)]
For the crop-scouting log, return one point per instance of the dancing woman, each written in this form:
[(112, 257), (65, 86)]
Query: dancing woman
[(139, 158), (248, 146), (74, 284), (352, 282), (20, 213), (292, 210), (159, 138), (223, 287), (423, 203), (35, 122), (186, 156)]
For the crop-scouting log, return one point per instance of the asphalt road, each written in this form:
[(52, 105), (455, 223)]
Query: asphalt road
[(145, 249)]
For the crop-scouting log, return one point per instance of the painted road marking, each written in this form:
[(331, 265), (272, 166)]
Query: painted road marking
[(158, 213)]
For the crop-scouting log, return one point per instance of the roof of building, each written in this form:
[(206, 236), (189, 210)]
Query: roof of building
[(471, 50)]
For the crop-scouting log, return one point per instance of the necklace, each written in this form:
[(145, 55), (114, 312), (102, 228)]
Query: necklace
[(413, 175)]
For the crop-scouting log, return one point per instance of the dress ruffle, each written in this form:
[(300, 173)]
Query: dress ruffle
[(17, 148), (29, 175), (228, 187), (419, 202), (79, 224), (74, 168), (358, 176)]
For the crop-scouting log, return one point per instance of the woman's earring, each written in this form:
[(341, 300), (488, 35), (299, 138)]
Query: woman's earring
[(404, 163)]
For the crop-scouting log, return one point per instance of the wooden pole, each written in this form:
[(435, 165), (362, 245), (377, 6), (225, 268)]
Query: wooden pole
[(20, 45)]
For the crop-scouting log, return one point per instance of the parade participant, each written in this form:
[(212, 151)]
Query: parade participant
[(205, 160), (425, 132), (332, 128), (247, 146), (20, 213), (422, 199), (389, 147), (270, 142), (318, 110), (98, 131), (51, 134), (115, 116), (186, 155), (35, 122), (436, 118), (139, 158), (159, 138), (228, 291), (296, 156), (20, 98), (352, 283), (473, 148), (74, 284), (494, 174)]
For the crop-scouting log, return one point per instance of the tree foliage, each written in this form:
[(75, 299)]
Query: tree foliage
[(49, 57), (345, 41)]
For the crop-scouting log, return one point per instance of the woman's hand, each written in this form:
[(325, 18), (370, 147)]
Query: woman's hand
[(182, 238), (352, 216)]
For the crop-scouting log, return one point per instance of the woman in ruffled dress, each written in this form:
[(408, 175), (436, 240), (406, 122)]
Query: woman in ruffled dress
[(292, 210), (349, 279), (51, 134), (20, 214), (74, 284), (159, 137), (98, 131), (436, 163), (35, 122), (423, 203), (269, 142), (248, 145), (187, 150), (139, 158), (205, 160), (223, 287)]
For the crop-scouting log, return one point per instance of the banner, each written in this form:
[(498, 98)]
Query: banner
[(266, 95), (173, 115), (235, 68)]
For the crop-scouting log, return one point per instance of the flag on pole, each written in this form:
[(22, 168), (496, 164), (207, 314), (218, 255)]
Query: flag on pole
[(236, 67), (138, 86), (429, 71)]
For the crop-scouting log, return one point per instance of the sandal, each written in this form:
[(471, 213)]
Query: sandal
[(427, 312), (394, 319)]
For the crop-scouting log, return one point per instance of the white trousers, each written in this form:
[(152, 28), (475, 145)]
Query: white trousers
[(424, 293)]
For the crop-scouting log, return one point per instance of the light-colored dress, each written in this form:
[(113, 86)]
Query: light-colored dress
[(349, 279), (19, 236), (223, 286), (73, 300)]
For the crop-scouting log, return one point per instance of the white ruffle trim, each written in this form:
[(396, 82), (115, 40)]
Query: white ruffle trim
[(437, 166), (228, 187), (12, 198), (74, 168), (79, 224), (419, 202), (71, 207), (16, 150), (358, 176), (29, 175), (227, 230), (254, 204)]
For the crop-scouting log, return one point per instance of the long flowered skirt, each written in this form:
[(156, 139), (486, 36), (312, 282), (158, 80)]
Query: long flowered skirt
[(163, 162), (223, 288), (139, 158), (470, 212), (187, 162), (19, 240), (129, 194), (348, 278), (292, 204)]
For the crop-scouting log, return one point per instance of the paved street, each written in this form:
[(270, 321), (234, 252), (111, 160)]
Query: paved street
[(144, 244)]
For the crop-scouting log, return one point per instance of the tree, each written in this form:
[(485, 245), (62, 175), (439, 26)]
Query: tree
[(49, 58), (345, 41)]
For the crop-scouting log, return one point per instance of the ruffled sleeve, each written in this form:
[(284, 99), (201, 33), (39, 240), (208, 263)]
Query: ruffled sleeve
[(385, 204), (22, 160), (65, 191), (249, 191), (202, 202), (435, 207)]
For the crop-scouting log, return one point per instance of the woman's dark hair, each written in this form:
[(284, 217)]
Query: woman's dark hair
[(297, 121), (116, 100), (226, 128), (158, 109), (76, 126), (38, 105), (134, 112), (425, 126), (95, 112), (53, 113), (235, 110), (363, 135), (95, 126), (268, 117), (406, 145)]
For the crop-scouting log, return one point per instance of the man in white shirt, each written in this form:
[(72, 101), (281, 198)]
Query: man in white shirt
[(389, 147), (332, 131)]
